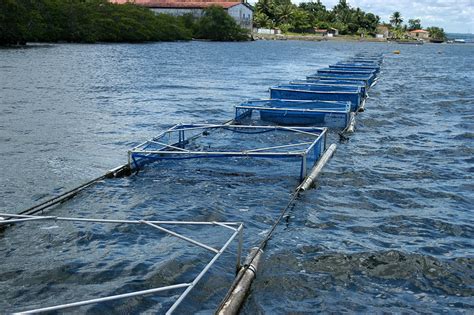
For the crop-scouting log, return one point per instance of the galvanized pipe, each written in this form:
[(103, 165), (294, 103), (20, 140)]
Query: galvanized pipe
[(203, 272), (246, 276), (362, 106), (104, 299), (318, 168), (223, 224), (187, 239), (351, 126)]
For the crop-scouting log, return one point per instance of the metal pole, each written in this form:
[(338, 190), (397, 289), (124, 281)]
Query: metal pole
[(247, 274), (239, 249), (318, 167), (203, 272), (181, 237), (104, 299), (223, 224), (351, 126)]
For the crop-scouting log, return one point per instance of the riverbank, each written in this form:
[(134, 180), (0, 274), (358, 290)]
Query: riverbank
[(316, 38), (98, 21)]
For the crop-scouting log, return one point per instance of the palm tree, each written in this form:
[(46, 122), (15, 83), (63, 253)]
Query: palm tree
[(396, 19), (284, 13)]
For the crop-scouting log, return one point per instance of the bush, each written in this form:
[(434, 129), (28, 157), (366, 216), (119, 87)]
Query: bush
[(217, 25), (84, 21)]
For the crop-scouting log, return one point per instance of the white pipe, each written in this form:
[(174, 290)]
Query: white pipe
[(247, 274), (351, 126), (318, 168), (104, 299), (223, 224)]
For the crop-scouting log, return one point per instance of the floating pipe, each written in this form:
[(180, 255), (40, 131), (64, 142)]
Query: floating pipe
[(362, 106), (318, 168), (351, 125), (232, 304)]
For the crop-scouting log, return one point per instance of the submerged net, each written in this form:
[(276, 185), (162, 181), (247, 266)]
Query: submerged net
[(184, 142)]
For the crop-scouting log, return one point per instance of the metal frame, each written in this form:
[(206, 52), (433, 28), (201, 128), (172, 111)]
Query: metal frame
[(235, 227), (242, 111), (177, 150)]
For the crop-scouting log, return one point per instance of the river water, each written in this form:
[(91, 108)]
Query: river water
[(389, 227)]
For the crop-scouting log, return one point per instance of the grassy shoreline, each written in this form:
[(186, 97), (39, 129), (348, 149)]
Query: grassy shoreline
[(311, 37)]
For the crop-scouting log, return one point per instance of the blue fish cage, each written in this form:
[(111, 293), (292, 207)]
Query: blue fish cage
[(296, 113), (319, 82), (347, 71), (367, 78), (353, 65), (370, 61), (184, 142), (352, 94)]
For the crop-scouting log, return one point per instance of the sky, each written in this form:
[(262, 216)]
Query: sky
[(455, 16)]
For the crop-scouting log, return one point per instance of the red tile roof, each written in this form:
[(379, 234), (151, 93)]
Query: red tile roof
[(419, 31), (194, 4)]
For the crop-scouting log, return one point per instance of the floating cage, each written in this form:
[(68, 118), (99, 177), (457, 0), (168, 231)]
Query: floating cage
[(183, 142), (340, 93), (295, 113), (355, 65), (343, 83), (369, 80), (233, 232)]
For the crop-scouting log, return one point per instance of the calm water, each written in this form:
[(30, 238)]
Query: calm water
[(389, 228)]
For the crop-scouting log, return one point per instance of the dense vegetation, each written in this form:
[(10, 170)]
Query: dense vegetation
[(91, 21), (308, 15), (217, 25), (436, 33), (399, 30)]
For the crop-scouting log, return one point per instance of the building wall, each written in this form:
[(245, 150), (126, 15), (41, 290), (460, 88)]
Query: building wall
[(266, 31), (240, 13), (420, 35), (178, 11)]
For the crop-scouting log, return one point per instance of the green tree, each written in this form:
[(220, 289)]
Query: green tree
[(284, 13), (317, 12), (217, 25), (396, 19), (261, 20), (84, 21), (266, 7), (301, 21), (414, 24), (436, 33), (14, 19)]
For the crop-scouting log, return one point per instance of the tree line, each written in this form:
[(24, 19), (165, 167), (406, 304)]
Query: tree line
[(306, 16), (399, 29), (91, 21)]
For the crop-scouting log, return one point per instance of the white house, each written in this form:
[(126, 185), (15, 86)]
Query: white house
[(242, 12)]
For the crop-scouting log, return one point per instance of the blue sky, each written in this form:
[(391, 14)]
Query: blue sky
[(455, 16)]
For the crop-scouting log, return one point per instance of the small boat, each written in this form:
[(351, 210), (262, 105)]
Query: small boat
[(459, 41), (297, 112), (351, 94)]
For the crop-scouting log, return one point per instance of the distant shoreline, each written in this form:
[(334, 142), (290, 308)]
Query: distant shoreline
[(317, 38)]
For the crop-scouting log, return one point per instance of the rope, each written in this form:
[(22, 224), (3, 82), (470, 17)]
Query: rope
[(66, 195), (262, 245)]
